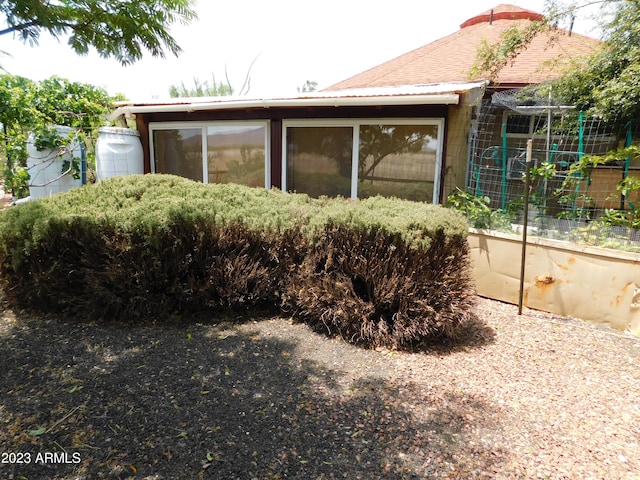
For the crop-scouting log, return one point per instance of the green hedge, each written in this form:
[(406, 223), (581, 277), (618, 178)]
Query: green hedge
[(378, 272)]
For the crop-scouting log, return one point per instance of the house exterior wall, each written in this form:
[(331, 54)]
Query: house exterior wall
[(143, 129), (457, 149), (276, 117)]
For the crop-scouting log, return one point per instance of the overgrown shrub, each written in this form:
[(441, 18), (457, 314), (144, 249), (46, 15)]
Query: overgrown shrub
[(147, 247), (377, 272), (383, 272), (183, 267)]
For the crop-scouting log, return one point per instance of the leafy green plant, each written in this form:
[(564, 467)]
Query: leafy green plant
[(572, 210), (16, 179), (35, 108), (514, 208), (622, 218), (629, 188), (476, 209), (72, 167), (46, 137), (545, 170), (581, 170), (630, 218)]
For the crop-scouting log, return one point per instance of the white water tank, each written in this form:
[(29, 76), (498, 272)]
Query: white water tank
[(118, 152), (48, 173)]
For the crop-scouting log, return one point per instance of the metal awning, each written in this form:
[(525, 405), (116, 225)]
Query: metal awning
[(436, 94)]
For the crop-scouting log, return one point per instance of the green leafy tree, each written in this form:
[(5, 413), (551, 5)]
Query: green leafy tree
[(34, 107), (308, 86), (605, 83), (202, 89), (214, 88), (117, 29)]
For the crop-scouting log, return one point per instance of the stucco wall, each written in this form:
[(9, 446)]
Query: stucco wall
[(593, 284), (457, 150)]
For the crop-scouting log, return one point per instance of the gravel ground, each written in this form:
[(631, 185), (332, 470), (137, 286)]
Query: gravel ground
[(531, 396)]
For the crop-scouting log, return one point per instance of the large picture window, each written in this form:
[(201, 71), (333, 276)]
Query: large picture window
[(212, 152), (400, 158)]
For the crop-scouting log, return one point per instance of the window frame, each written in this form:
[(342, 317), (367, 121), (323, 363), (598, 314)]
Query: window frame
[(355, 124), (203, 126), (532, 124)]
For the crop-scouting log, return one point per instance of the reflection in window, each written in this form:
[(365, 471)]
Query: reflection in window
[(319, 160), (398, 161), (179, 152), (518, 124), (526, 124), (236, 154)]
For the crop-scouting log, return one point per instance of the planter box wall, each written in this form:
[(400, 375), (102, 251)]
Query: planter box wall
[(593, 284)]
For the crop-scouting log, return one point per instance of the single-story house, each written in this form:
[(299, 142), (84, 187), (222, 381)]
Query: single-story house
[(399, 129)]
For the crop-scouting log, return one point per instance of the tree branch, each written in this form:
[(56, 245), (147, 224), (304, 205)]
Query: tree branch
[(19, 28)]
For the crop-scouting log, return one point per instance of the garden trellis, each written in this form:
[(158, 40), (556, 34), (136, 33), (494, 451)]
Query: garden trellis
[(567, 200)]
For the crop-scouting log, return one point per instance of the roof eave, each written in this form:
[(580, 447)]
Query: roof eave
[(450, 98)]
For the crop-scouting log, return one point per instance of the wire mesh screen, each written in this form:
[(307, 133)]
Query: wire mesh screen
[(593, 204)]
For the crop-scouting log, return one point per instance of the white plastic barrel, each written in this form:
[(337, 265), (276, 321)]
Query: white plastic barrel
[(46, 174), (118, 152)]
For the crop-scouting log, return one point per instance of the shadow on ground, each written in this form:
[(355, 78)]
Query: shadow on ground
[(203, 401)]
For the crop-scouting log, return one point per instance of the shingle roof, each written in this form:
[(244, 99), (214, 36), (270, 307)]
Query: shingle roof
[(450, 58)]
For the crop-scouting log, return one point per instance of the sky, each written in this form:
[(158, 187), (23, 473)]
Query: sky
[(288, 41)]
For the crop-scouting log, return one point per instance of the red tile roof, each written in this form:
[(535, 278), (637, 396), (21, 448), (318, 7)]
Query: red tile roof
[(449, 59)]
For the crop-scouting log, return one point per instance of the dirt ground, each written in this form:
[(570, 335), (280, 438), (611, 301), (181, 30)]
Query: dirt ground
[(531, 396)]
